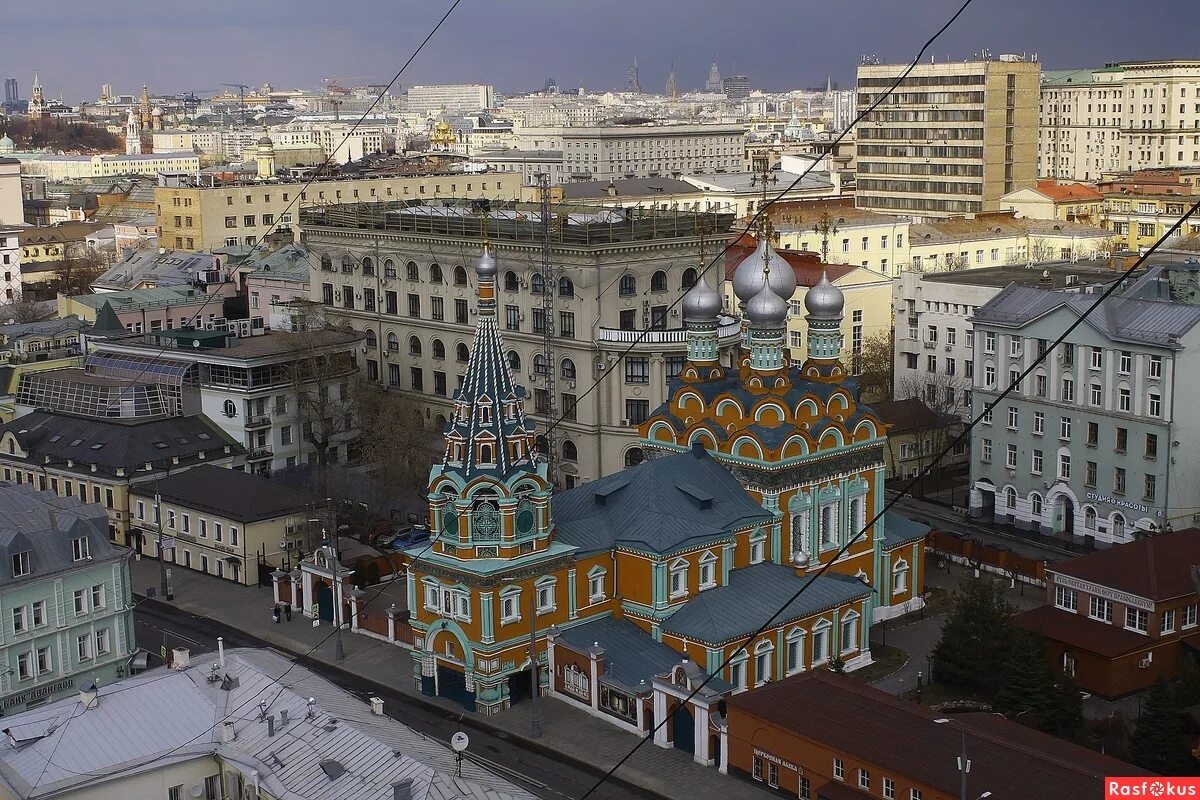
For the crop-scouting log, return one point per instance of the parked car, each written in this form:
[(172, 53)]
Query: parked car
[(408, 535)]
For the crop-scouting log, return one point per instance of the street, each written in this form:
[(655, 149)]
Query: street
[(155, 623)]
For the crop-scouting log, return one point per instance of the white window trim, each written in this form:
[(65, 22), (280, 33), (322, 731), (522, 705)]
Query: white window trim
[(540, 585), (513, 594), (677, 567), (708, 563)]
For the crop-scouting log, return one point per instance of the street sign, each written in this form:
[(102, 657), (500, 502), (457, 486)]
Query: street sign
[(162, 651)]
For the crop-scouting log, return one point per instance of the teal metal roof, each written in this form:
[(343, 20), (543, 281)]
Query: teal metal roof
[(898, 530), (630, 654), (719, 615), (660, 506)]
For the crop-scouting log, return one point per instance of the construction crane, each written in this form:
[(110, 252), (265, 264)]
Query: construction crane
[(241, 87), (332, 84)]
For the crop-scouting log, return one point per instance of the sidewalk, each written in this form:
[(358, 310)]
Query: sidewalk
[(569, 733)]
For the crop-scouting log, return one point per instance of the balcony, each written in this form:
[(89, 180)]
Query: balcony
[(260, 454), (728, 329), (260, 421)]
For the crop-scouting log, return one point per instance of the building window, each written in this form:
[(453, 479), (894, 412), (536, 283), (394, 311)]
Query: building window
[(678, 584), (758, 547), (627, 286), (510, 606), (596, 591), (763, 653), (1137, 619), (708, 571), (83, 647), (737, 674), (820, 645), (1189, 615), (20, 564), (889, 785), (1168, 622), (864, 779), (637, 369), (839, 770), (1100, 609), (795, 651), (850, 633), (1154, 404), (1067, 599), (79, 549)]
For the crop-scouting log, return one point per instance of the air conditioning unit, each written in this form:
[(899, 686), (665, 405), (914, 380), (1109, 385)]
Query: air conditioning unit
[(625, 422), (1146, 661)]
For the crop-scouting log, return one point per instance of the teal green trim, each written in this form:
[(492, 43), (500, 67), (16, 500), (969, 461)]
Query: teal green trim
[(660, 585), (835, 636), (913, 565), (463, 640), (486, 618), (728, 551), (572, 601)]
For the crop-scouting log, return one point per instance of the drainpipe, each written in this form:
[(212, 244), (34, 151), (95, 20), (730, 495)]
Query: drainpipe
[(1170, 449)]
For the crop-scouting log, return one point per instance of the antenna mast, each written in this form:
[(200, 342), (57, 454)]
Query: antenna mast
[(550, 275)]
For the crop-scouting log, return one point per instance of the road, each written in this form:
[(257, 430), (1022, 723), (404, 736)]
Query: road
[(554, 779)]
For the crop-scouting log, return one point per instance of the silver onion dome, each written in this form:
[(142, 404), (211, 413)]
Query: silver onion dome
[(824, 300), (701, 301), (485, 267), (766, 309), (748, 278)]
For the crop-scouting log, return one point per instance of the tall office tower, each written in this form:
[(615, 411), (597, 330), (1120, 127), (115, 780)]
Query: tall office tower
[(713, 84), (12, 94), (951, 139), (672, 83), (736, 87)]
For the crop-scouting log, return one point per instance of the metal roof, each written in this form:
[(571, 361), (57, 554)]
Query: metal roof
[(43, 525), (164, 716), (719, 615), (630, 654), (653, 506), (242, 496)]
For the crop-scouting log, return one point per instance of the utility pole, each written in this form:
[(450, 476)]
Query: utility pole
[(164, 588)]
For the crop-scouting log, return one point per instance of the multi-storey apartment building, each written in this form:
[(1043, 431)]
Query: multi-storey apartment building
[(639, 150), (1127, 116), (65, 595), (1116, 619), (1091, 443), (401, 275), (951, 139), (10, 263), (1140, 207), (196, 217), (934, 312)]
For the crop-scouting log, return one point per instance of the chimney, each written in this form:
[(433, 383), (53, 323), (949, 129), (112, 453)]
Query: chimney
[(89, 695), (270, 725), (283, 718), (228, 734)]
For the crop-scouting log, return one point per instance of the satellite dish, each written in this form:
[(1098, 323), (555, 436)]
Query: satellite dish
[(459, 742)]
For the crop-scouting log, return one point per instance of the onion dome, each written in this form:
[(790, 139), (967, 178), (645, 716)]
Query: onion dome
[(824, 300), (748, 278), (701, 301), (485, 267), (766, 309)]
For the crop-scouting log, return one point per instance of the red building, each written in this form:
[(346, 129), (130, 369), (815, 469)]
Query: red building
[(824, 736), (1118, 618)]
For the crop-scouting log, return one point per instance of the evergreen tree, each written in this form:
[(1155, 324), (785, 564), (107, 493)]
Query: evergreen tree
[(975, 638), (1187, 687), (1026, 687), (1158, 744), (1064, 711)]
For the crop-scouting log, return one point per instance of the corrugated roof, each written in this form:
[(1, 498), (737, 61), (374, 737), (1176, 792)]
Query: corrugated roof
[(630, 654), (1120, 318), (1162, 563), (164, 716), (650, 508), (170, 268), (1079, 631), (719, 615), (288, 263)]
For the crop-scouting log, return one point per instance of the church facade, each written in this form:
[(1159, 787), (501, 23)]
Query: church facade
[(635, 589)]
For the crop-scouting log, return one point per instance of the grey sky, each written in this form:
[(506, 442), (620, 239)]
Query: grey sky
[(515, 44)]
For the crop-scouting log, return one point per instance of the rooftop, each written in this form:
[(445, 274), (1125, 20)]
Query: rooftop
[(1050, 275), (1085, 633), (152, 297), (49, 327), (801, 215), (508, 221), (43, 525), (863, 722), (807, 265), (630, 654), (743, 182), (166, 268), (335, 749), (1162, 565), (169, 344), (290, 262), (230, 493), (906, 416), (1067, 192), (626, 187), (998, 223)]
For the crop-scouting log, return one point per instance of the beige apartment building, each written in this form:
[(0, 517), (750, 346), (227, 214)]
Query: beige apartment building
[(1122, 117), (404, 276), (194, 217), (651, 150), (952, 139)]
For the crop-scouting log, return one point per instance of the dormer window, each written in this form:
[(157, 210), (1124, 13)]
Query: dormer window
[(79, 549), (485, 454), (20, 564), (485, 415)]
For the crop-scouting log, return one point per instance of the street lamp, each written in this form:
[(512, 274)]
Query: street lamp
[(535, 711), (964, 763)]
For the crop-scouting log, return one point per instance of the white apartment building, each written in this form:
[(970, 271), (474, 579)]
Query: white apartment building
[(648, 150), (404, 277), (1122, 117), (450, 98), (61, 168), (10, 263), (934, 339)]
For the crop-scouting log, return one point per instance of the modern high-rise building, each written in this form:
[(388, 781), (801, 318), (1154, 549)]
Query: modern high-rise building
[(452, 97), (951, 139), (12, 93), (1121, 117), (736, 87)]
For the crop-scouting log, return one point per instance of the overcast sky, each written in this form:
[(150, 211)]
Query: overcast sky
[(515, 44)]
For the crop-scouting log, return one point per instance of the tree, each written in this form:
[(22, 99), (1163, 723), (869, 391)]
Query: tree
[(1187, 686), (941, 393), (1158, 743), (22, 310), (74, 276), (876, 365), (975, 638), (1063, 716), (1026, 685), (400, 449)]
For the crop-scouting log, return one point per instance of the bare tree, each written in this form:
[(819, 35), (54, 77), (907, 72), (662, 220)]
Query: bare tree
[(875, 366), (74, 276), (21, 310), (943, 395), (400, 448)]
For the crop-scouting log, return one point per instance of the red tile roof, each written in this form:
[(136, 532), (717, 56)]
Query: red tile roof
[(1155, 567), (1067, 192), (902, 738), (805, 264), (1082, 632)]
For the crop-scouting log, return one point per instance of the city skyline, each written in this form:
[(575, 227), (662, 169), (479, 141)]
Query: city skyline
[(582, 44)]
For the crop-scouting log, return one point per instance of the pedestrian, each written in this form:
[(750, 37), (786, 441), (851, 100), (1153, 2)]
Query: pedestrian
[(275, 614), (287, 610)]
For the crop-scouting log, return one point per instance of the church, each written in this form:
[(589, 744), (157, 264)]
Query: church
[(637, 588)]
